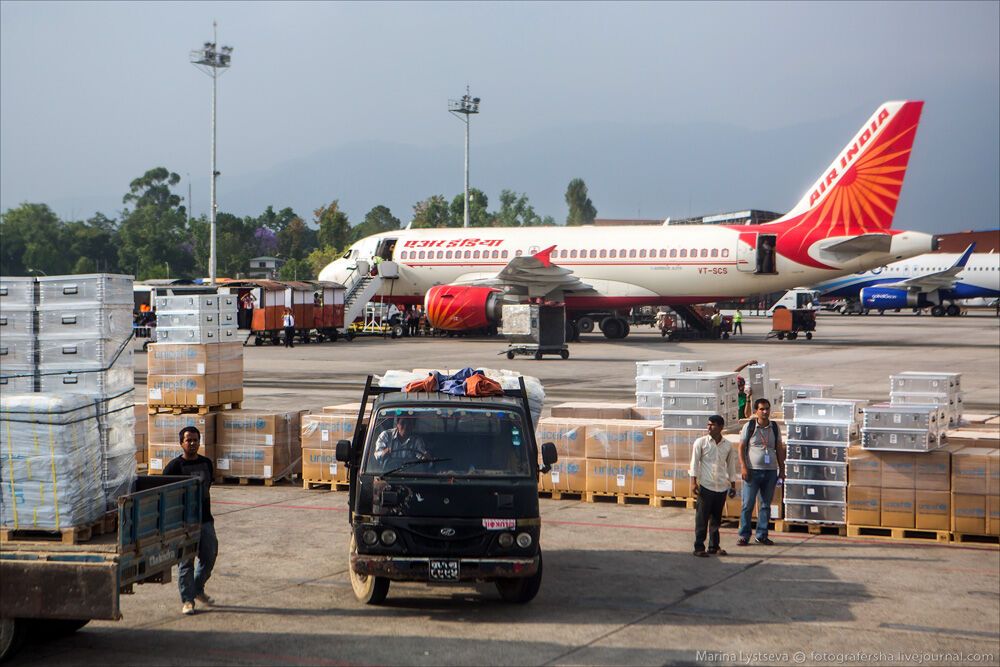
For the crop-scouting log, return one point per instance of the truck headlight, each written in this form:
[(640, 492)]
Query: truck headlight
[(388, 537), (369, 537), (506, 540), (523, 540)]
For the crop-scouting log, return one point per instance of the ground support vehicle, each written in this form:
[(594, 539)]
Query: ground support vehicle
[(535, 330), (318, 309), (459, 505), (55, 585), (786, 323)]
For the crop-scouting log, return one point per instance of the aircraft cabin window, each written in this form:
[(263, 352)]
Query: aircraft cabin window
[(725, 252), (642, 252), (496, 254), (593, 254), (468, 254), (572, 253), (684, 252), (604, 253), (704, 252), (631, 253), (663, 252), (715, 252), (614, 253), (421, 255), (447, 255), (475, 254), (518, 253), (504, 255), (621, 253), (694, 252), (673, 252)]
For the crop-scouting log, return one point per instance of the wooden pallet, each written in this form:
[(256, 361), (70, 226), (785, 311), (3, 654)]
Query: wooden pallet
[(325, 484), (247, 481), (620, 498), (73, 535), (891, 533), (561, 495), (686, 503), (783, 526), (193, 409), (969, 538)]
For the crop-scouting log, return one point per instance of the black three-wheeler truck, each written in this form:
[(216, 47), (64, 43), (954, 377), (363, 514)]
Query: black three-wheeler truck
[(444, 489)]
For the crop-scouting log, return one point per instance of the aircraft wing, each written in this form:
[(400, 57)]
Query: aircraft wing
[(534, 275), (937, 280), (858, 245)]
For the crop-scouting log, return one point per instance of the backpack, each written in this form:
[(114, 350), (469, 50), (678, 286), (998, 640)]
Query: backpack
[(752, 428)]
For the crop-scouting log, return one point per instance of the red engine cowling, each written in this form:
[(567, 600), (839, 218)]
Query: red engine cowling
[(456, 308)]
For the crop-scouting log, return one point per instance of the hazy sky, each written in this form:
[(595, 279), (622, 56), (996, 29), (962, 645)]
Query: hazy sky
[(93, 94)]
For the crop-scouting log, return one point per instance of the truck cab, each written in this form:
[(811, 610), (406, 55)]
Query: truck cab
[(444, 489)]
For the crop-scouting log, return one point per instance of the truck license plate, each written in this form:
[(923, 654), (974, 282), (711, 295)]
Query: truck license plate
[(444, 570)]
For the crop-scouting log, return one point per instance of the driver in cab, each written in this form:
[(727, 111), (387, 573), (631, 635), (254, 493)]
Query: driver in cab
[(400, 443)]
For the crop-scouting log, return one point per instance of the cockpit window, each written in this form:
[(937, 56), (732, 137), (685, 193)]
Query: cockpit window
[(351, 252), (466, 442)]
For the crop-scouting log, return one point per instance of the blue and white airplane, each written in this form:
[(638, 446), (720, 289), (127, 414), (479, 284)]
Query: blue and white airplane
[(935, 280)]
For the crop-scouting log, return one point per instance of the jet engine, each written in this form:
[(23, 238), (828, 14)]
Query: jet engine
[(458, 308), (884, 298)]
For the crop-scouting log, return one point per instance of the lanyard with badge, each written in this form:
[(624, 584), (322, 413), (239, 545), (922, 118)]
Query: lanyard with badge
[(763, 441)]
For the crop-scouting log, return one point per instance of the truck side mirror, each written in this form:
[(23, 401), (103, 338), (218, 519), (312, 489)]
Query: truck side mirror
[(344, 451), (549, 456)]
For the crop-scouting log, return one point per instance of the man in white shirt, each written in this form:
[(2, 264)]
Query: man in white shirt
[(288, 323), (713, 479)]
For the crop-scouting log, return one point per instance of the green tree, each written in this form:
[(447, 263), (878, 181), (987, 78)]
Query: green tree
[(320, 257), (92, 244), (379, 219), (235, 244), (296, 240), (296, 269), (32, 237), (478, 215), (334, 227), (430, 213), (276, 222), (581, 209), (516, 211), (153, 234)]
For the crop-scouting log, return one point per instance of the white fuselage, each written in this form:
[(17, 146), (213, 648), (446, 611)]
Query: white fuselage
[(625, 265), (979, 278)]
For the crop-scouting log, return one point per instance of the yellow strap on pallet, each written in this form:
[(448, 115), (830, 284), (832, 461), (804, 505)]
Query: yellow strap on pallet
[(55, 485)]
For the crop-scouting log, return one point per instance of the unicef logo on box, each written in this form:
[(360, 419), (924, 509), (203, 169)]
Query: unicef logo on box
[(638, 471), (259, 424), (637, 437), (190, 384), (572, 468)]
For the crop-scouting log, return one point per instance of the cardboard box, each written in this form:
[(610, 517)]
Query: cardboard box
[(164, 429), (933, 510), (255, 461), (968, 513), (993, 515), (194, 390), (583, 410), (620, 439), (970, 470), (898, 471), (249, 427), (933, 471), (343, 409), (671, 480), (194, 358), (993, 484), (322, 431), (567, 434), (898, 508), (675, 445), (864, 468), (141, 442), (569, 475), (864, 505), (141, 411), (973, 438), (646, 414), (159, 455), (321, 465), (619, 476)]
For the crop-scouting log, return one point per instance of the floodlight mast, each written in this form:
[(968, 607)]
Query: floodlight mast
[(210, 59), (462, 109)]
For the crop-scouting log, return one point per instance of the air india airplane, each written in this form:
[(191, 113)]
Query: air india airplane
[(842, 225)]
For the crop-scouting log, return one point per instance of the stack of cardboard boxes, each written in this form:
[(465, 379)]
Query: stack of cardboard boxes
[(194, 375), (320, 434), (261, 445), (164, 437), (141, 434)]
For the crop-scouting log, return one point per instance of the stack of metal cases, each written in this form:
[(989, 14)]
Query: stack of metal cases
[(689, 399), (70, 335), (650, 377), (917, 388), (776, 396), (817, 439), (795, 392), (904, 428), (759, 380), (197, 318)]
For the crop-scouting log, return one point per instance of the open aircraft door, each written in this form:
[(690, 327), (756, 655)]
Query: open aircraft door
[(746, 252)]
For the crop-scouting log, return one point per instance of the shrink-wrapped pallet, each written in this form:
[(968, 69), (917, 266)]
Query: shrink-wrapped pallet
[(263, 445), (51, 464)]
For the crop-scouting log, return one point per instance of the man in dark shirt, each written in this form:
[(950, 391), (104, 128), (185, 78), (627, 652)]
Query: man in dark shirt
[(191, 577)]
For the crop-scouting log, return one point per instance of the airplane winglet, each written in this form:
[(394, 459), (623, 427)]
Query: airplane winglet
[(964, 259), (545, 256)]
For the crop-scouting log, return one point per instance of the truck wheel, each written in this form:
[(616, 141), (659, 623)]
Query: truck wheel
[(12, 633), (258, 341), (564, 354), (613, 328), (809, 335), (510, 354), (538, 354), (781, 335), (367, 589), (521, 590), (585, 325)]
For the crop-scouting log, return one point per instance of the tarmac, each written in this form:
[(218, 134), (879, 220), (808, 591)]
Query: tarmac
[(620, 586)]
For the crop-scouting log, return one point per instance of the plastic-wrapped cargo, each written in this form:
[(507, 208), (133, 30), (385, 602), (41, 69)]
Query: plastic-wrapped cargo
[(165, 428), (106, 289), (323, 431), (51, 463), (85, 320), (256, 444), (194, 359), (17, 292), (623, 440)]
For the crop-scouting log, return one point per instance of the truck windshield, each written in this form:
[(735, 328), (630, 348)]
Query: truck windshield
[(467, 442)]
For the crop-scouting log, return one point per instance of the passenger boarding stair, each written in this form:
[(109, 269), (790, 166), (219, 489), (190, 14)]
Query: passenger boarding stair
[(693, 318), (364, 287)]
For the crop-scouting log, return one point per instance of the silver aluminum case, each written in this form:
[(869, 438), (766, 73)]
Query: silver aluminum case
[(816, 512), (189, 303), (897, 416), (814, 452), (692, 419), (841, 410), (925, 383), (826, 432), (702, 382), (664, 367), (107, 289), (819, 471), (17, 292), (815, 491), (901, 440)]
